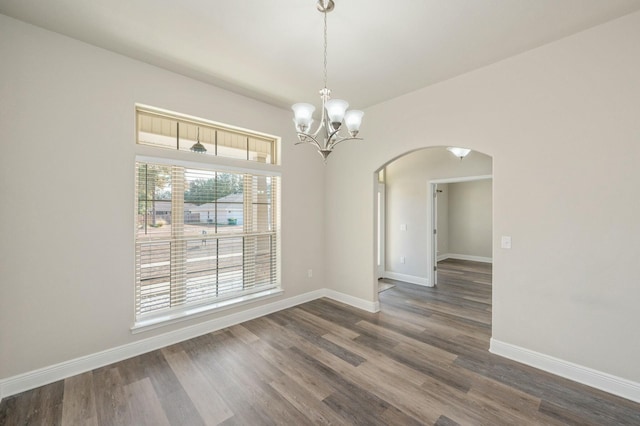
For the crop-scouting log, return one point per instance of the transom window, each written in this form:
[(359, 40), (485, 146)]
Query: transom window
[(172, 132)]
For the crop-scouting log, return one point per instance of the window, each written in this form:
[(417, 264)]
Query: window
[(206, 237), (165, 130)]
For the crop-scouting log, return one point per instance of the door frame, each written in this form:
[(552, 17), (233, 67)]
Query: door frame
[(380, 229), (432, 253)]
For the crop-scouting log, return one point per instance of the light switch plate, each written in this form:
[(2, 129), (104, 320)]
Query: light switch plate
[(506, 242)]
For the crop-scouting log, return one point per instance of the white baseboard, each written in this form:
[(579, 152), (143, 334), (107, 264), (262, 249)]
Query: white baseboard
[(578, 373), (465, 257), (407, 278), (43, 376), (356, 302)]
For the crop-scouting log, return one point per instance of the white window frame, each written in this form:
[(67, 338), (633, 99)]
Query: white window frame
[(155, 155)]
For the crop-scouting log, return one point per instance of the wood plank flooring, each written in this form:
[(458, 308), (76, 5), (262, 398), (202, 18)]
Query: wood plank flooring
[(422, 360)]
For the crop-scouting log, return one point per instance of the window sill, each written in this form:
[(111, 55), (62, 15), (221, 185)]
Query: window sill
[(201, 310)]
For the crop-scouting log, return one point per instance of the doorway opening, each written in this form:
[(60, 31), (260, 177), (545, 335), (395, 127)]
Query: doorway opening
[(470, 222)]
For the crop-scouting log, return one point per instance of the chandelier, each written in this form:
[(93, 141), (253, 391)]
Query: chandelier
[(330, 131)]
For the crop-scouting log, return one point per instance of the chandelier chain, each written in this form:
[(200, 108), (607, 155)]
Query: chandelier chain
[(325, 49)]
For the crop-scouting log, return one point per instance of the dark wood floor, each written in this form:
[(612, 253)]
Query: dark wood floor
[(422, 360)]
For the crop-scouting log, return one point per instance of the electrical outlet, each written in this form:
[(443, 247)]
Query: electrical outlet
[(403, 227), (402, 259), (309, 273)]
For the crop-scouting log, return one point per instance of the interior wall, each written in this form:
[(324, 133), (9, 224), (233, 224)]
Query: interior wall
[(561, 123), (407, 197), (469, 218), (67, 130)]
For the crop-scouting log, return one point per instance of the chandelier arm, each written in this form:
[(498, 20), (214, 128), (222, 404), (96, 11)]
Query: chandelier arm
[(331, 141), (323, 118), (337, 141), (320, 126), (306, 137), (331, 135), (311, 134)]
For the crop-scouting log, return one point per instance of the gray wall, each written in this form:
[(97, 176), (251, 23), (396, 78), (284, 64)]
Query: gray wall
[(469, 218)]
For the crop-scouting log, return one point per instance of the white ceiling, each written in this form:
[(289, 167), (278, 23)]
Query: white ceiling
[(272, 50)]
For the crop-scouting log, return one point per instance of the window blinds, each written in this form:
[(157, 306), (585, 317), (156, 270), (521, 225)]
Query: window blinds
[(203, 236)]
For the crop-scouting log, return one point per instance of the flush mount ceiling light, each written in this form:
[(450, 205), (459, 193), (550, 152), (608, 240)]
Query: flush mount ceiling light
[(459, 152), (334, 111)]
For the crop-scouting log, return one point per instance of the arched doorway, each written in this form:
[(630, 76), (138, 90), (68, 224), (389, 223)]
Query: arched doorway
[(405, 216)]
